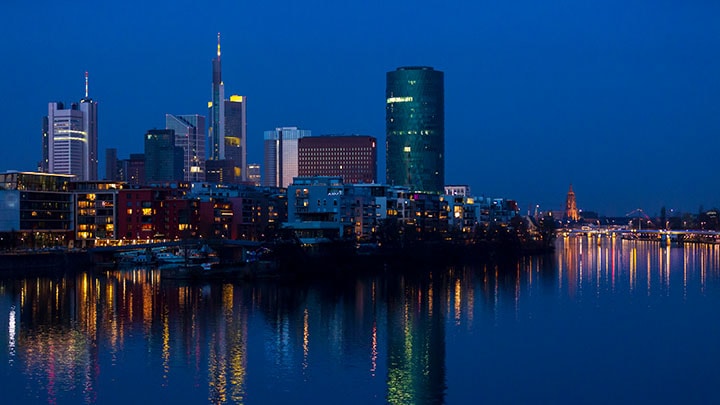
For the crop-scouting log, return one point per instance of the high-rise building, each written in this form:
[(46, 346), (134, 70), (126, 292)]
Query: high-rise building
[(216, 131), (235, 130), (189, 135), (354, 158), (163, 160), (571, 210), (70, 139), (415, 128), (111, 164), (132, 170), (281, 155), (253, 173)]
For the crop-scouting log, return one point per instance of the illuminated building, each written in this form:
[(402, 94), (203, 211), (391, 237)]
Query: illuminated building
[(571, 210), (235, 135), (189, 135), (39, 203), (70, 138), (415, 129), (281, 155), (95, 203), (132, 170), (220, 171), (163, 160), (253, 173), (354, 158), (216, 132)]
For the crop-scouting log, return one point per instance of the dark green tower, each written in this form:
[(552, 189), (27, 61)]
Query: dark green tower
[(415, 128)]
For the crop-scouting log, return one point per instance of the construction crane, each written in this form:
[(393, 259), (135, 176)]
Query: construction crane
[(639, 213)]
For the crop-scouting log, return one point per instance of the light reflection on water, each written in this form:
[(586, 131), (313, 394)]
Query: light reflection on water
[(633, 320)]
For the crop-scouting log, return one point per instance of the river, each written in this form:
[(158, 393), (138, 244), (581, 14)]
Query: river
[(599, 321)]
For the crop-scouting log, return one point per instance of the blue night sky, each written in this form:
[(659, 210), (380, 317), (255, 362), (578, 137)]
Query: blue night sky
[(619, 98)]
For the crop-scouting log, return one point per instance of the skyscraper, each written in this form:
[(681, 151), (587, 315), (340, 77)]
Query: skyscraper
[(415, 128), (189, 135), (216, 131), (111, 164), (163, 160), (281, 155), (235, 130), (70, 138)]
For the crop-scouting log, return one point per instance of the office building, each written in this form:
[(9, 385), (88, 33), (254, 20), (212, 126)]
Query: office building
[(415, 129), (281, 155), (253, 174), (216, 131), (190, 136), (235, 135), (353, 158), (163, 160), (70, 139), (111, 164)]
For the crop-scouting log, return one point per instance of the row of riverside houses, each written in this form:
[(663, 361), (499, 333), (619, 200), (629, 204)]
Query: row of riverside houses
[(40, 210)]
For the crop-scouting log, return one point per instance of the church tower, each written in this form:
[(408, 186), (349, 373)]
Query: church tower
[(571, 211)]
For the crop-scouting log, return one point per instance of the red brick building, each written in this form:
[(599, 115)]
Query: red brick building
[(353, 157)]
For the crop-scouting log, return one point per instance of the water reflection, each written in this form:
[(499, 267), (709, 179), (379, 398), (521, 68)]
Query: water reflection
[(406, 338)]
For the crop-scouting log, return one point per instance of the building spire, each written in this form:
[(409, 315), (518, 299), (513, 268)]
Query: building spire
[(86, 84), (218, 46)]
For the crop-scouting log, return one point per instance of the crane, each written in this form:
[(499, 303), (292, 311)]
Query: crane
[(642, 214)]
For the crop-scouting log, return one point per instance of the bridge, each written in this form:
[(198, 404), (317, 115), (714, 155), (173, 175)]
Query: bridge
[(663, 235)]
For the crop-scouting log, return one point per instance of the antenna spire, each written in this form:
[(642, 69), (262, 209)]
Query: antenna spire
[(218, 45), (86, 84)]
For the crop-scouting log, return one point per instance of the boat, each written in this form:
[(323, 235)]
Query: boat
[(169, 258), (140, 257)]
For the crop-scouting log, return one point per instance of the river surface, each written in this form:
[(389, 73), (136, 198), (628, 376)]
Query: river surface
[(599, 321)]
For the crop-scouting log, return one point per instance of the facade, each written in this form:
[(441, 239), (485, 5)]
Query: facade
[(216, 131), (163, 160), (132, 170), (253, 174), (462, 190), (281, 155), (235, 135), (95, 210), (36, 205), (150, 213), (111, 164), (316, 209), (354, 158), (220, 171), (70, 139), (190, 136), (415, 129)]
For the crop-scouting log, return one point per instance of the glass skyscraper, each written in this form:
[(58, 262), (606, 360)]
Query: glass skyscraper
[(189, 135), (163, 160), (281, 155), (415, 128)]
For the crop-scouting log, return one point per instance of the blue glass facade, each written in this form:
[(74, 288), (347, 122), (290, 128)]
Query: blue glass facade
[(415, 128)]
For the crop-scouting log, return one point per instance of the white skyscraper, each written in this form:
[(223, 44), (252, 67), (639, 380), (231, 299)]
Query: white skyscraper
[(281, 155), (70, 138)]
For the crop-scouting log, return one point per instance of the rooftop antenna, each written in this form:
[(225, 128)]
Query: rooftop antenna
[(86, 84), (218, 46)]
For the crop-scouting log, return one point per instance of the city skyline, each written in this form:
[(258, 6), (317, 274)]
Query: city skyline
[(617, 99)]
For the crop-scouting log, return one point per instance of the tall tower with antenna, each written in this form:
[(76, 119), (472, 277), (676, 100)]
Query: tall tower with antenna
[(70, 138), (216, 131)]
